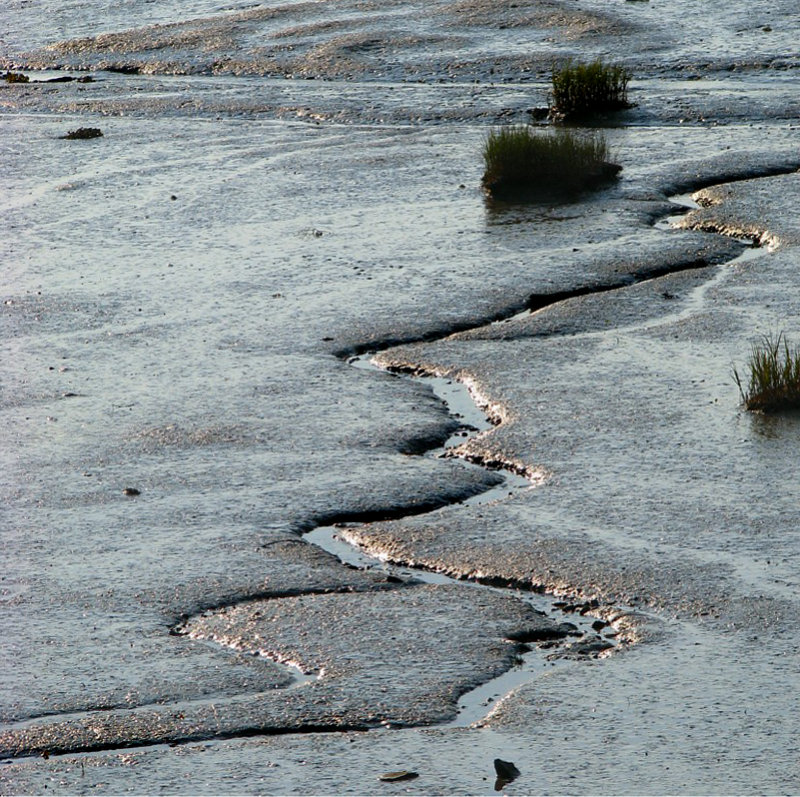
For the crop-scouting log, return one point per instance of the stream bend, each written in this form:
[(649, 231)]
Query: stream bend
[(461, 404), (583, 635)]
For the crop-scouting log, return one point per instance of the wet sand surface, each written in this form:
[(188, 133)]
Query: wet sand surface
[(182, 298)]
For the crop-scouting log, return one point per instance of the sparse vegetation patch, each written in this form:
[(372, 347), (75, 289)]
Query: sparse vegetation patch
[(584, 89), (774, 376), (523, 163)]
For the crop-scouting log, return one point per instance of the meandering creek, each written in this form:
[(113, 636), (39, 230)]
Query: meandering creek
[(578, 618)]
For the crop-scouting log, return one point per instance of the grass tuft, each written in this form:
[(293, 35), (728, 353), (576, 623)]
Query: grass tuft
[(15, 77), (584, 89), (774, 383), (523, 163)]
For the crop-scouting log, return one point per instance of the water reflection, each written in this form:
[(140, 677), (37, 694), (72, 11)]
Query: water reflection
[(501, 213), (772, 426)]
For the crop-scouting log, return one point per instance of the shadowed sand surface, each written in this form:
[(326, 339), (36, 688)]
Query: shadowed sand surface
[(180, 298)]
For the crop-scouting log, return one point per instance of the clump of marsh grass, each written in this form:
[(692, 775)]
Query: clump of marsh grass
[(15, 77), (774, 383), (584, 89), (524, 163)]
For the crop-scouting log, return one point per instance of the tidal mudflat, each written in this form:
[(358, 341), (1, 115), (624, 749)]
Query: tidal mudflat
[(281, 188)]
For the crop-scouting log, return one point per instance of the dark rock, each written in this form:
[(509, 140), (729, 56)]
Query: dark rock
[(539, 114), (542, 634), (585, 608), (506, 772), (569, 629), (124, 69), (83, 133)]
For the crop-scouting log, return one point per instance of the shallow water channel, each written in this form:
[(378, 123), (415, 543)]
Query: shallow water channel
[(533, 657), (461, 404)]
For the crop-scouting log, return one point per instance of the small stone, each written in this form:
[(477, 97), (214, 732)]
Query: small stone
[(131, 491), (401, 774)]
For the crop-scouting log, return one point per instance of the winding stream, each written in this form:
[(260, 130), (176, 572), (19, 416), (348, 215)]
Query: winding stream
[(460, 403), (474, 705), (580, 633)]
